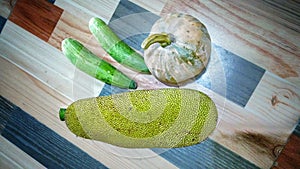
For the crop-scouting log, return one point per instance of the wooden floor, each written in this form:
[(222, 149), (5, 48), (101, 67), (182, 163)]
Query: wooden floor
[(253, 77)]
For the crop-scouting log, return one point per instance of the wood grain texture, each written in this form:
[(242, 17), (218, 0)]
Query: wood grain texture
[(46, 63), (37, 17), (6, 6), (276, 100), (29, 94), (70, 26), (257, 34), (290, 155), (39, 79), (87, 9), (41, 143), (244, 132), (76, 27), (11, 157), (227, 74)]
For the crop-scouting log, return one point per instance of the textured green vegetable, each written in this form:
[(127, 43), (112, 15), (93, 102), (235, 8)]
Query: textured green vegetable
[(115, 47), (89, 63), (144, 118)]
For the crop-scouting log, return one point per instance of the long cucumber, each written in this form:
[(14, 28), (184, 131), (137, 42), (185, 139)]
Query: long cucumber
[(115, 47), (91, 64)]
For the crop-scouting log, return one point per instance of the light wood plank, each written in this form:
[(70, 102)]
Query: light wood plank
[(74, 27), (253, 33), (11, 157), (70, 26), (152, 6), (6, 7), (276, 100), (246, 133), (87, 9), (46, 63), (43, 102)]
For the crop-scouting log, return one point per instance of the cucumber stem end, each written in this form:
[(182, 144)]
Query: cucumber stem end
[(62, 112)]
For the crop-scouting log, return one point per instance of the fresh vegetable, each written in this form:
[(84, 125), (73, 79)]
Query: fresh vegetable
[(144, 118), (115, 47), (177, 49), (89, 63)]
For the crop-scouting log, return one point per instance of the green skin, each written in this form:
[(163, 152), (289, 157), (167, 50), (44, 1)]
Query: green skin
[(89, 63), (116, 48), (162, 118)]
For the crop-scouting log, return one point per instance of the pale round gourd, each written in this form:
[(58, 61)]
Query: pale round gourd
[(178, 49)]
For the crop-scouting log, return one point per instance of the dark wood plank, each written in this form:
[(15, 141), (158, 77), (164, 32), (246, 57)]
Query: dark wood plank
[(40, 142), (290, 155), (36, 16)]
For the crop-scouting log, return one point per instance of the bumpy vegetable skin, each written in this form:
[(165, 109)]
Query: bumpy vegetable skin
[(161, 118), (91, 64), (115, 47)]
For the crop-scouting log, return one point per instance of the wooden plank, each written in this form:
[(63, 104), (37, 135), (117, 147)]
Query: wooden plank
[(6, 7), (46, 63), (227, 74), (11, 157), (290, 155), (244, 132), (77, 28), (262, 40), (41, 143), (42, 102), (87, 9), (70, 26), (218, 75), (276, 100), (37, 17)]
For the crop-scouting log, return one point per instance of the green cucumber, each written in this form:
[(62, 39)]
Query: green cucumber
[(115, 47), (161, 118), (91, 64)]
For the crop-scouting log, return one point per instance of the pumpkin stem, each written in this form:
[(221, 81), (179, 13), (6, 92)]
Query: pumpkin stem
[(163, 38)]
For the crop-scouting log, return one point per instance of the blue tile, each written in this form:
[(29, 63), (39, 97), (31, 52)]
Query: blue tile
[(132, 23), (207, 154), (125, 8), (2, 23), (51, 1), (233, 77), (40, 142)]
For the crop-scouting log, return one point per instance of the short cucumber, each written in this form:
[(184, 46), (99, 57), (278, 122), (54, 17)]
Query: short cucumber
[(115, 47), (89, 63), (161, 118)]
